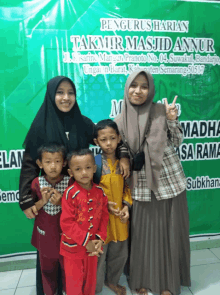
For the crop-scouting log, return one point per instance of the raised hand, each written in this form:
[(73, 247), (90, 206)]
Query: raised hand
[(171, 110)]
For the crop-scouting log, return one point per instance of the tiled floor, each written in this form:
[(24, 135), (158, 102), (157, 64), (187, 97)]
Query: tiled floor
[(205, 276)]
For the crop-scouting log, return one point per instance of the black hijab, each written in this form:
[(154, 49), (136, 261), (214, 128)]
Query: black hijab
[(50, 124)]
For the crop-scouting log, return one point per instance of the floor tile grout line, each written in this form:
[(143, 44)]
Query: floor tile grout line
[(205, 264), (190, 290), (215, 255), (18, 281), (7, 289), (26, 286), (217, 262)]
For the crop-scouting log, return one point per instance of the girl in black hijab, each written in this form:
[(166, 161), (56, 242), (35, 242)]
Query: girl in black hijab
[(51, 124), (59, 121)]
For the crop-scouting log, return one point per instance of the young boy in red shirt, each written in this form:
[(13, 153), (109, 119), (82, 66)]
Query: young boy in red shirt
[(83, 222)]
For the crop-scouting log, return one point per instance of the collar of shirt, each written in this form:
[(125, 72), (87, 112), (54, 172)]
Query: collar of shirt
[(81, 189)]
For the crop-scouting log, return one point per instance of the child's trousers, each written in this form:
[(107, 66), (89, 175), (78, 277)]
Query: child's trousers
[(80, 275), (49, 269), (115, 256)]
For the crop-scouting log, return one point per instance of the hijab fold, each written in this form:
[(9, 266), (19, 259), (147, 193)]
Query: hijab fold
[(144, 128), (50, 124)]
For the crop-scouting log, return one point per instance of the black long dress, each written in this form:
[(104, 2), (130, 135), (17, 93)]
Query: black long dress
[(50, 126)]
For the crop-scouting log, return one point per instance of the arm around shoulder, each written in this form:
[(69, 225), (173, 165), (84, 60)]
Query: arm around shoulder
[(90, 129)]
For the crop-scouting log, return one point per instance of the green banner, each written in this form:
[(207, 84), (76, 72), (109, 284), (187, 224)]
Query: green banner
[(98, 44)]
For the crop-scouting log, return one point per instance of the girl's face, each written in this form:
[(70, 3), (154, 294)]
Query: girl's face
[(138, 90), (65, 97)]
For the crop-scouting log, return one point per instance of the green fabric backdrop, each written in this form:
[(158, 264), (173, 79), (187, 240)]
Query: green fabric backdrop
[(97, 44)]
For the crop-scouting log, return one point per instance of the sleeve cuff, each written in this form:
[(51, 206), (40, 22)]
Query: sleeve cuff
[(26, 202), (172, 123), (100, 238), (86, 240), (126, 203), (124, 155), (122, 151)]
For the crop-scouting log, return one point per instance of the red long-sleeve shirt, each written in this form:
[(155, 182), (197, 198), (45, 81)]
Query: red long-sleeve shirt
[(84, 217)]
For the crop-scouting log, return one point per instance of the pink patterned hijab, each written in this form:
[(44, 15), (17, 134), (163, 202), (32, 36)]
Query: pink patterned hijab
[(144, 128)]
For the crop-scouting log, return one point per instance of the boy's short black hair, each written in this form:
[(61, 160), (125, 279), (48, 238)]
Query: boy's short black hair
[(51, 148), (82, 152), (103, 124)]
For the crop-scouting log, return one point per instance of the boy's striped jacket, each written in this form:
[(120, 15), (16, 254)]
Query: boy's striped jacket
[(84, 217)]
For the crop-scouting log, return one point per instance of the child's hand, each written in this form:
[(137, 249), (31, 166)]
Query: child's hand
[(112, 210), (98, 246), (124, 214), (55, 197), (31, 212), (124, 165), (46, 194), (90, 247), (96, 253)]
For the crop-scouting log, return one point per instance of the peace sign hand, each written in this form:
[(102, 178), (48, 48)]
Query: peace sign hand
[(171, 110)]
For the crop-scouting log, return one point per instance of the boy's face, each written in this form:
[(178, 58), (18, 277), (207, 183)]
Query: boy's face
[(52, 163), (82, 168), (108, 140)]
